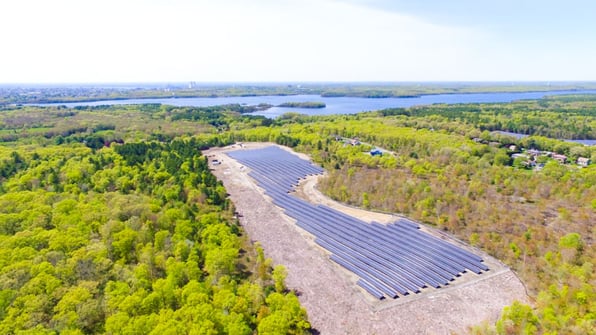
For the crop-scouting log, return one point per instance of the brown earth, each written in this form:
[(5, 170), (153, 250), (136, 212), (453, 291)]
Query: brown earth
[(334, 303)]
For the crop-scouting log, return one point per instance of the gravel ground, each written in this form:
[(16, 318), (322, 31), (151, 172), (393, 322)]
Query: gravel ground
[(334, 303)]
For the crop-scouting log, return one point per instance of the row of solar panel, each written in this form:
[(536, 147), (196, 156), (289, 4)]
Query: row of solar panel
[(381, 250), (391, 260)]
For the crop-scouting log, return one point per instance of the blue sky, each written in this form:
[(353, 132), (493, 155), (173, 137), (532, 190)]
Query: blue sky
[(515, 19), (296, 40)]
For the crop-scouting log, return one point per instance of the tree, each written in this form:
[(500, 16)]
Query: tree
[(279, 276), (274, 324), (219, 262), (517, 319), (123, 243)]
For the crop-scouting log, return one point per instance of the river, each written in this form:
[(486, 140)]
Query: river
[(334, 105), (518, 136)]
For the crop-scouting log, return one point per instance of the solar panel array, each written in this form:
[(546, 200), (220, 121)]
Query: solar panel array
[(390, 260)]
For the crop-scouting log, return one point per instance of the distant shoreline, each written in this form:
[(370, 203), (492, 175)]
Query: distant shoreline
[(59, 101), (34, 94)]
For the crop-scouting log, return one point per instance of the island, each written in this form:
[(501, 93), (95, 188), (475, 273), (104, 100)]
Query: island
[(305, 104)]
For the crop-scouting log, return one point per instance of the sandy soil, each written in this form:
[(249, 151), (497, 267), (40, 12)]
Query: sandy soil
[(334, 303)]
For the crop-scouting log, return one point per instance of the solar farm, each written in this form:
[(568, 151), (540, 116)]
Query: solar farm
[(390, 260)]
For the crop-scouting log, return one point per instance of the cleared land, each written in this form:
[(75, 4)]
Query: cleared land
[(334, 303)]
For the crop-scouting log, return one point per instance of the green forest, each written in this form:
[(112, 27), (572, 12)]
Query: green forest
[(136, 238), (110, 220)]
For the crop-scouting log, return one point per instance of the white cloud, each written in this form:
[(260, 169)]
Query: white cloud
[(235, 40)]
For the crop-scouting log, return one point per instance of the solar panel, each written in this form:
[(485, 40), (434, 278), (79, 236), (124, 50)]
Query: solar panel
[(390, 260)]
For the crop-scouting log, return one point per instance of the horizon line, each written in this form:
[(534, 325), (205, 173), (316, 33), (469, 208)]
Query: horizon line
[(381, 82)]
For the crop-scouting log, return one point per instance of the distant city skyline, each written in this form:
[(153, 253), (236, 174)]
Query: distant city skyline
[(68, 41)]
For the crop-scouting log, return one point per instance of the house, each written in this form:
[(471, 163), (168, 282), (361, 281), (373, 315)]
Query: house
[(522, 156), (376, 152), (583, 161), (560, 158), (533, 152)]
